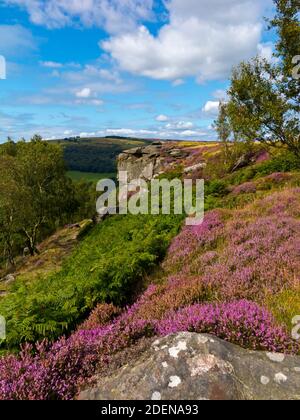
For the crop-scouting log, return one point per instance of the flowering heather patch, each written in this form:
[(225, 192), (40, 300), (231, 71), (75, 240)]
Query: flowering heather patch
[(57, 371), (263, 156), (193, 237), (257, 251), (246, 188), (100, 316), (177, 292), (278, 177), (250, 254), (242, 322)]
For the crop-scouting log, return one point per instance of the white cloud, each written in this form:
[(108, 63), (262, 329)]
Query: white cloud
[(51, 64), (75, 85), (180, 125), (211, 107), (192, 133), (178, 82), (266, 51), (113, 15), (130, 132), (84, 93), (15, 39), (162, 118), (202, 39), (85, 135)]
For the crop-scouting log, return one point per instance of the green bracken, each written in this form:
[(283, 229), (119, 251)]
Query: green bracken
[(106, 267)]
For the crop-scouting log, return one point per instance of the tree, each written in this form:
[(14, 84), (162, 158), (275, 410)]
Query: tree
[(35, 194), (223, 128), (263, 97), (41, 176), (286, 23), (10, 203)]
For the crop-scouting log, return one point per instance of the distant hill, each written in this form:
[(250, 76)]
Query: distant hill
[(97, 155)]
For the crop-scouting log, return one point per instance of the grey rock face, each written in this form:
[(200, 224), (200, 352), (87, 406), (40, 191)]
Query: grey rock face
[(201, 367), (147, 162), (141, 163)]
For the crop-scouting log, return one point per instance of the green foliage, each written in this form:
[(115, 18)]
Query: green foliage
[(283, 162), (95, 155), (217, 188), (36, 196), (286, 23), (106, 267), (264, 97)]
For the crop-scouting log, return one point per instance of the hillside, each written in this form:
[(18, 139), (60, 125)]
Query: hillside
[(95, 155), (235, 277)]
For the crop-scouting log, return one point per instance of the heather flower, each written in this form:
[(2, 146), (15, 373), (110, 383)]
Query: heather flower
[(246, 188), (57, 371), (100, 316), (242, 322), (235, 257), (279, 177)]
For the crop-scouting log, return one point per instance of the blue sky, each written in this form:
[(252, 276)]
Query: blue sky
[(144, 68)]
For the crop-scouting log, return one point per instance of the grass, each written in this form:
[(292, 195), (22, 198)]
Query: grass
[(78, 176)]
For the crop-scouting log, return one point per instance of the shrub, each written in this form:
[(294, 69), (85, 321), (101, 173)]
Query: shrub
[(101, 316), (243, 323), (256, 250), (246, 188), (216, 188), (284, 162)]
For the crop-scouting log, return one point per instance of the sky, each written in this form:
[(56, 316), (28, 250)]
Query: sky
[(140, 68)]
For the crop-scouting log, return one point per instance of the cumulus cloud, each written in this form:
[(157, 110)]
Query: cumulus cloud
[(180, 125), (51, 64), (162, 118), (113, 15), (266, 51), (211, 107), (84, 93), (202, 39)]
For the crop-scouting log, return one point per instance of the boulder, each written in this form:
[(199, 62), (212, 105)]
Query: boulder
[(7, 280), (148, 161), (190, 366), (178, 153), (194, 168), (141, 163)]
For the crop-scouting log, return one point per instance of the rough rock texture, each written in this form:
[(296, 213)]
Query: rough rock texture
[(194, 168), (148, 161), (198, 367)]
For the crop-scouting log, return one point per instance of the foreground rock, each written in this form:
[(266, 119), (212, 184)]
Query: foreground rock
[(201, 367)]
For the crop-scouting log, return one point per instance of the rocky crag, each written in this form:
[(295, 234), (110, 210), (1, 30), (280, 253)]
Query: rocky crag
[(190, 366), (150, 161)]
